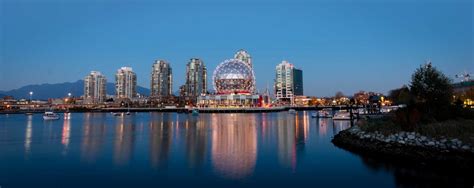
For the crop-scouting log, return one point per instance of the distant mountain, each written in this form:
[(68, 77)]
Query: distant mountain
[(47, 91)]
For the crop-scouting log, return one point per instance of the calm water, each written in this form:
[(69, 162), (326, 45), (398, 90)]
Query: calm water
[(170, 149)]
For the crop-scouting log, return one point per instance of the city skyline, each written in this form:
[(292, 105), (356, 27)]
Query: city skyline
[(347, 46)]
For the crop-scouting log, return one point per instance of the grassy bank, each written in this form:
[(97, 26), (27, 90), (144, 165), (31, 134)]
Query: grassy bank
[(462, 129)]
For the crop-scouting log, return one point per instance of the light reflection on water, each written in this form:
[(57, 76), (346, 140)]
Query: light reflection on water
[(164, 148)]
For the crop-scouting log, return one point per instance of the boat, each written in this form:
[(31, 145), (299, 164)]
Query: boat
[(195, 112), (50, 116), (292, 111), (324, 114), (342, 115), (128, 110), (28, 113), (116, 114), (314, 115)]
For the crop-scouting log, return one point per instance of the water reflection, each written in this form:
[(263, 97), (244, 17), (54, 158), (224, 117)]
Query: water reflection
[(65, 134), (28, 134), (124, 139), (286, 142), (234, 145), (93, 136), (196, 141), (208, 148), (340, 125), (323, 126), (160, 139)]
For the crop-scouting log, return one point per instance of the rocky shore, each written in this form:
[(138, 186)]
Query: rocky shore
[(407, 146)]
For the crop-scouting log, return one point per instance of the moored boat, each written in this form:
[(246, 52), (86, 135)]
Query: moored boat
[(342, 115), (324, 114), (50, 116), (195, 112)]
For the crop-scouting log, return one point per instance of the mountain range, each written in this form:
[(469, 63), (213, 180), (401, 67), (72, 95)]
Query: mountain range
[(59, 90)]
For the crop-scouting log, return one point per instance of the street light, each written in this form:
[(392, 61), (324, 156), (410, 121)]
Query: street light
[(69, 94), (31, 95)]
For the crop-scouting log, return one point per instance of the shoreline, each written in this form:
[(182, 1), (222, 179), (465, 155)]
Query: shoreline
[(185, 110), (402, 151)]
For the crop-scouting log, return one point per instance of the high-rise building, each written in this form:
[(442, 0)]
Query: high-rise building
[(94, 88), (288, 81), (297, 82), (244, 56), (125, 83), (196, 78), (161, 79)]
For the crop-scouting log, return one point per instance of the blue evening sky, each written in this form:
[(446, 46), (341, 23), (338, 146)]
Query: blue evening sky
[(341, 45)]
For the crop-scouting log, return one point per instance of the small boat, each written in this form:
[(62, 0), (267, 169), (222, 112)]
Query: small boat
[(342, 115), (324, 114), (128, 113), (195, 112), (292, 111), (116, 114), (28, 114), (314, 115), (50, 116)]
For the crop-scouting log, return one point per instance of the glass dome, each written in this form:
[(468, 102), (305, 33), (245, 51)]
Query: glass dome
[(234, 76)]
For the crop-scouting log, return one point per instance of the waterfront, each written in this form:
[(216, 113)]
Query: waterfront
[(171, 149)]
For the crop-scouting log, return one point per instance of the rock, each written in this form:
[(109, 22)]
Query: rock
[(443, 140), (418, 143), (423, 138), (465, 147), (401, 142), (411, 137), (430, 143)]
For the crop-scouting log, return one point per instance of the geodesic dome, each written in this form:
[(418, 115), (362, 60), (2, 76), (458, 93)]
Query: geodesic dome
[(233, 76)]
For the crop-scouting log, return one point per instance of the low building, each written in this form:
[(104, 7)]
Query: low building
[(464, 91), (302, 100), (229, 101)]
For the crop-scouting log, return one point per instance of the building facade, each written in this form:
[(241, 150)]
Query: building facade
[(125, 83), (161, 79), (95, 88), (234, 76), (288, 81), (298, 82), (196, 78)]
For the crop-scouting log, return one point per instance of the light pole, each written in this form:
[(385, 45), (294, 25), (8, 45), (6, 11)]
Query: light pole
[(68, 102), (31, 95)]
